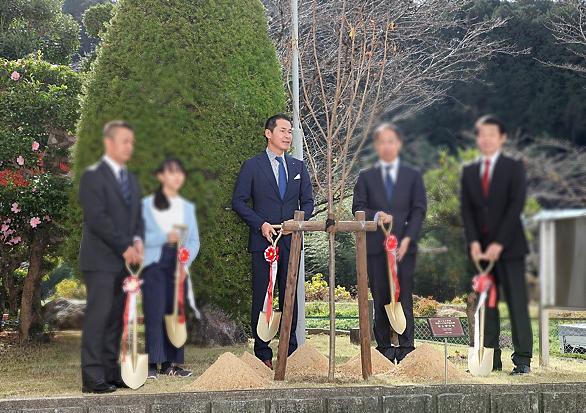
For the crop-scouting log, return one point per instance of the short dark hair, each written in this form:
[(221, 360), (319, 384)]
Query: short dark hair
[(387, 126), (490, 120), (271, 122), (110, 127)]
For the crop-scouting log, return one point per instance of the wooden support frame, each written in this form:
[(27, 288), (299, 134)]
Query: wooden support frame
[(359, 226)]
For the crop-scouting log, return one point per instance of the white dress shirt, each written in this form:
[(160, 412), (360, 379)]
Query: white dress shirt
[(174, 215), (114, 166), (275, 164), (394, 169), (492, 159), (394, 172)]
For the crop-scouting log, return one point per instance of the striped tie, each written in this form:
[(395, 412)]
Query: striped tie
[(125, 185)]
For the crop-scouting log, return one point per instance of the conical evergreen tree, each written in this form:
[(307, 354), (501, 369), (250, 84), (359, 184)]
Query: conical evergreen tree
[(197, 79)]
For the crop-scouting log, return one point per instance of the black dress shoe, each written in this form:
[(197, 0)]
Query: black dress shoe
[(98, 387), (520, 369), (119, 383)]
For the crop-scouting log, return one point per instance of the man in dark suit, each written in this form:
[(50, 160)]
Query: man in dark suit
[(112, 235), (277, 185), (391, 190), (493, 191)]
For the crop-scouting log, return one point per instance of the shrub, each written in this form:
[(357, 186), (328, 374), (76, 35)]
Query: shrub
[(197, 80), (316, 289), (70, 288), (425, 307)]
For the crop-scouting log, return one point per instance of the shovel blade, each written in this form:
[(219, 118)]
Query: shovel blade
[(176, 331), (267, 330), (480, 362), (396, 317), (135, 375)]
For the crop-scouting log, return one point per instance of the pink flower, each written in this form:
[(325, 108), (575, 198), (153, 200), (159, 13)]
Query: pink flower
[(47, 218), (4, 228), (15, 208), (15, 240), (15, 76), (35, 146), (35, 221), (20, 160)]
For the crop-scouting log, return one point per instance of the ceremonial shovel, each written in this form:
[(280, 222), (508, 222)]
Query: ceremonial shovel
[(174, 322), (134, 367), (269, 319), (394, 309), (480, 358)]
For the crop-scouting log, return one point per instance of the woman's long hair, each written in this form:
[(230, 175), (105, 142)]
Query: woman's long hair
[(171, 163)]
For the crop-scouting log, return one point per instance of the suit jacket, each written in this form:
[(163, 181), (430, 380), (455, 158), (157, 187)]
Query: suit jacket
[(496, 218), (109, 223), (408, 205), (256, 182)]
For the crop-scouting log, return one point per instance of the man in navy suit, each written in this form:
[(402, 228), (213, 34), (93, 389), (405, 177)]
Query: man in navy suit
[(391, 190), (277, 185)]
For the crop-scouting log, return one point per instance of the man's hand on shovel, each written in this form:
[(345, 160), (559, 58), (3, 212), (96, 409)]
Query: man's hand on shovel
[(268, 231)]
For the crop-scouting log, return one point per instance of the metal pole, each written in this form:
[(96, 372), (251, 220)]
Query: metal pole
[(297, 153), (445, 360)]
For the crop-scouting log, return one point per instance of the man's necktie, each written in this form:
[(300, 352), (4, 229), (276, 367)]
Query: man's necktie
[(389, 184), (282, 177), (125, 185), (486, 178)]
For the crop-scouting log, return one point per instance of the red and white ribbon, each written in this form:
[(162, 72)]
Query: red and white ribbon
[(131, 286), (391, 245), (183, 258), (485, 285), (272, 257)]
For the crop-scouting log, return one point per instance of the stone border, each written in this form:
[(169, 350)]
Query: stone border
[(465, 398)]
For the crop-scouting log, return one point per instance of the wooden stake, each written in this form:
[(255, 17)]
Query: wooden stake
[(288, 305), (362, 275)]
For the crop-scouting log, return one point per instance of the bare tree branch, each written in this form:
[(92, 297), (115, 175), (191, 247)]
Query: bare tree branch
[(568, 27)]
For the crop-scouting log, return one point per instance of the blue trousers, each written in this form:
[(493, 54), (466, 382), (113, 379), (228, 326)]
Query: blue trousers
[(158, 291)]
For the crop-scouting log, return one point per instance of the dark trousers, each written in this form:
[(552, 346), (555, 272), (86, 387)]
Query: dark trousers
[(102, 326), (510, 275), (381, 295), (158, 292), (260, 280)]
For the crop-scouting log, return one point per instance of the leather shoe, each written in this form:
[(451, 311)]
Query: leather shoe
[(119, 383), (98, 387), (520, 369), (268, 363)]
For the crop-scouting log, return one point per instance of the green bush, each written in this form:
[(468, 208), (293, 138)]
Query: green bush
[(316, 289), (37, 26), (425, 307), (96, 17), (196, 79), (70, 288)]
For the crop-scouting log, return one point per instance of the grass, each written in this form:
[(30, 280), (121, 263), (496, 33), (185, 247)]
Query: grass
[(52, 369)]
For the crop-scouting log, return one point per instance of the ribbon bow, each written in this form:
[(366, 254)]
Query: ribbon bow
[(390, 244), (272, 257), (183, 258), (131, 286), (485, 283)]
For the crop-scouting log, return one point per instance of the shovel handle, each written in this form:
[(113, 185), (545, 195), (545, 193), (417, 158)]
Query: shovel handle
[(384, 228), (486, 270), (138, 270), (279, 235)]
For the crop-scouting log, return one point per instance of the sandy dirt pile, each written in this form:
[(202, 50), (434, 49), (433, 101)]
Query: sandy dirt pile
[(353, 367), (425, 364), (306, 363), (229, 373), (258, 366)]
